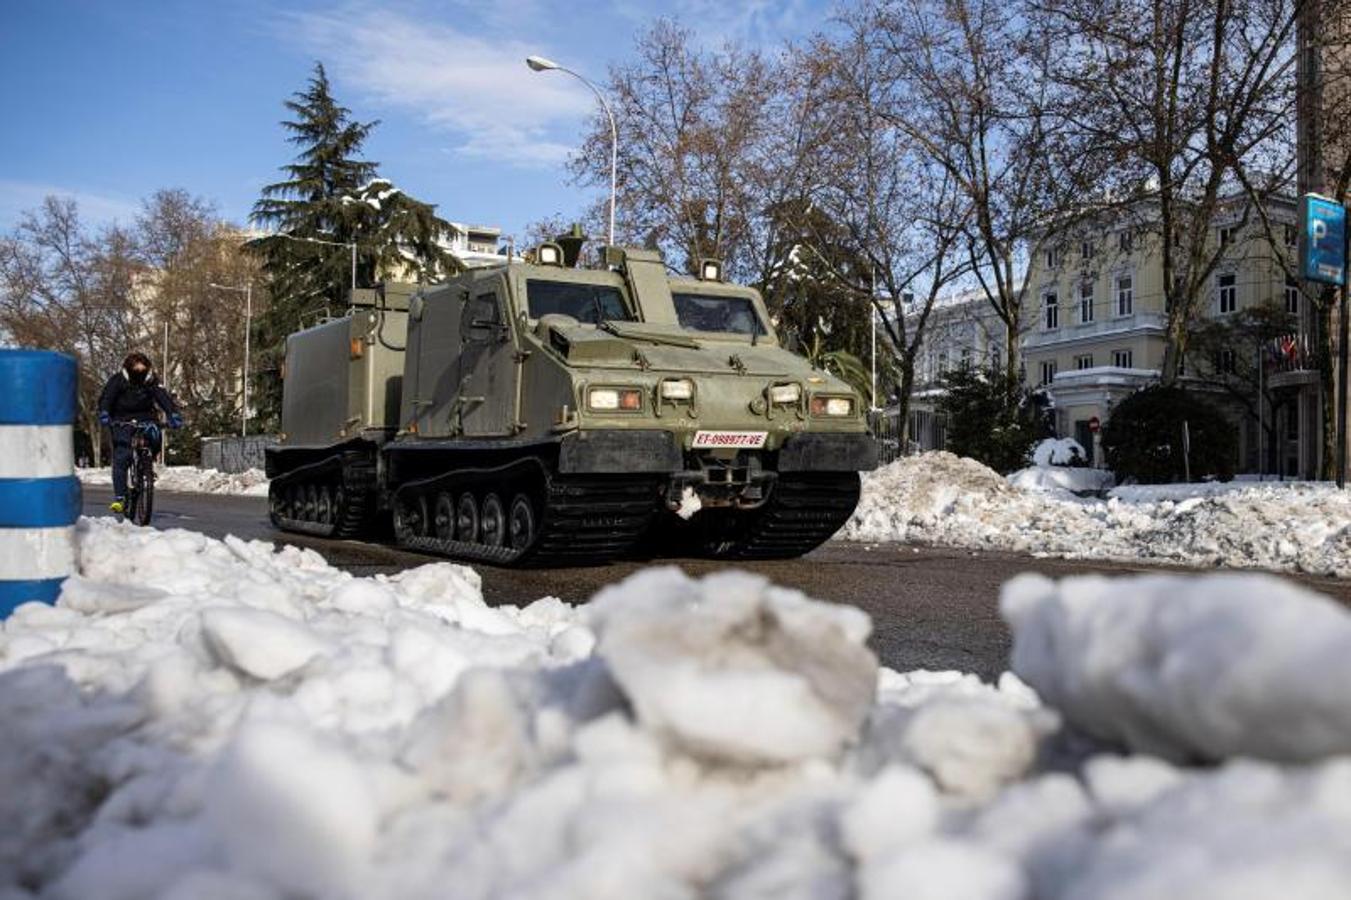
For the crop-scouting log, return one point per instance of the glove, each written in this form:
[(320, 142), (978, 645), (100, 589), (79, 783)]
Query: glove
[(175, 421), (104, 417)]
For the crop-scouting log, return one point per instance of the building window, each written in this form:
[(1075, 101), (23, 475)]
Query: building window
[(1124, 241), (1291, 296), (1083, 362), (1050, 305), (1226, 362), (1228, 234), (1048, 372), (966, 357), (1053, 257), (1086, 249), (1123, 359), (1228, 293), (1086, 301), (1125, 295), (1291, 236)]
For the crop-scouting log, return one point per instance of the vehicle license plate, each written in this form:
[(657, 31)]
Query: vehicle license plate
[(716, 440)]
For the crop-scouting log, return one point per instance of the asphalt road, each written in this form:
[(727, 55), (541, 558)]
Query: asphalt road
[(932, 608)]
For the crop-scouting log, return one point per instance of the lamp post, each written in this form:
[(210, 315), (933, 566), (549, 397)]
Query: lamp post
[(309, 240), (540, 64), (247, 290)]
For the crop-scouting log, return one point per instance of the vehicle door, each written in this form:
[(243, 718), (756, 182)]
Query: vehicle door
[(488, 359), (435, 366)]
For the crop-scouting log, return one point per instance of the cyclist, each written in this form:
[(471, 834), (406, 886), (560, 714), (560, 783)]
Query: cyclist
[(133, 394)]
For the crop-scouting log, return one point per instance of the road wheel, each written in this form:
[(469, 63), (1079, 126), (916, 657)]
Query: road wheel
[(408, 518), (444, 518), (466, 518), (323, 505), (311, 503), (521, 523), (276, 501), (295, 501), (493, 522)]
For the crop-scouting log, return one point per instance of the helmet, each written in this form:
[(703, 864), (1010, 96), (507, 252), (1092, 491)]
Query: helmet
[(137, 367)]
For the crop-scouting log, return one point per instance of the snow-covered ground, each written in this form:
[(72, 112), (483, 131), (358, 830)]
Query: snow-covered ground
[(206, 719), (190, 479), (943, 499)]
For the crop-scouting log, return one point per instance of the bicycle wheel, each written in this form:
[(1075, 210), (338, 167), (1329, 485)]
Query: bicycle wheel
[(145, 490)]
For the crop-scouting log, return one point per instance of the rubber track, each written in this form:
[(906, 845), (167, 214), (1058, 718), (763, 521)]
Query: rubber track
[(582, 521), (803, 512), (357, 472)]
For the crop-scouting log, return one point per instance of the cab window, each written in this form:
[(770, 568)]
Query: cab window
[(712, 312), (590, 303)]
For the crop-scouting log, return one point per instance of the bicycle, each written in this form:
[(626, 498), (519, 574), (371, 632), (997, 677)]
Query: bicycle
[(141, 480)]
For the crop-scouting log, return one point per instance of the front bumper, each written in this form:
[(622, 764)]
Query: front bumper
[(828, 453), (601, 451)]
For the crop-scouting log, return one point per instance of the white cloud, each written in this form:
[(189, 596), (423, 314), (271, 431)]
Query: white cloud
[(473, 86), (757, 24), (17, 197)]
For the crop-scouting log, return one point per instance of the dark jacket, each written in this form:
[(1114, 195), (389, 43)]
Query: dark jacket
[(122, 400)]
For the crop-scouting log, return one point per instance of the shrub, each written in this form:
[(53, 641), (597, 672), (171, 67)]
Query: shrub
[(1143, 438), (991, 418)]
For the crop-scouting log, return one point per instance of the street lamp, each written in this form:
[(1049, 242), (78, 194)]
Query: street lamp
[(540, 64), (309, 240), (247, 290)]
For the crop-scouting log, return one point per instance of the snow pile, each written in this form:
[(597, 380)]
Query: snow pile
[(734, 672), (1059, 464), (943, 499), (199, 718), (192, 480), (1079, 480), (1058, 452), (1235, 665)]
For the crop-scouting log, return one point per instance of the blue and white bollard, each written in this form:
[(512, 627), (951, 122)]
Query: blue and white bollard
[(39, 493)]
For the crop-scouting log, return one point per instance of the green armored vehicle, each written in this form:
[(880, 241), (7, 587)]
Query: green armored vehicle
[(538, 413)]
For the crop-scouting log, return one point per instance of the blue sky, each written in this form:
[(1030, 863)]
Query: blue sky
[(109, 101)]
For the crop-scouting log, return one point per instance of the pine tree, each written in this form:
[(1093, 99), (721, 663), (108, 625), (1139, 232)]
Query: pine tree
[(330, 193)]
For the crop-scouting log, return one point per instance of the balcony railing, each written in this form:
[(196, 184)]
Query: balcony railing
[(1103, 327)]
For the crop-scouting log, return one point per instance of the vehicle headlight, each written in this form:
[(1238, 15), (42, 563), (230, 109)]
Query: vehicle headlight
[(832, 406), (677, 389), (784, 394), (613, 399)]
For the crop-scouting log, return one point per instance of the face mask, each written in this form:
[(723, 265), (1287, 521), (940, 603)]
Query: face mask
[(138, 376)]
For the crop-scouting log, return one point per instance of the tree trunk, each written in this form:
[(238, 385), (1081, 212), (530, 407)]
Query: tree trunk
[(95, 439), (903, 389), (1012, 352), (1172, 357)]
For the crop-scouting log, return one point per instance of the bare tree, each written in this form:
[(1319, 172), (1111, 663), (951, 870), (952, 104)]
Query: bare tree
[(1188, 105), (62, 289), (885, 221), (687, 121), (971, 100), (187, 248)]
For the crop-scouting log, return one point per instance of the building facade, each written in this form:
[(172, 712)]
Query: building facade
[(1095, 332), (1100, 327)]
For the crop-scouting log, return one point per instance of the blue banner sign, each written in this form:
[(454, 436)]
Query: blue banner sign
[(1323, 229)]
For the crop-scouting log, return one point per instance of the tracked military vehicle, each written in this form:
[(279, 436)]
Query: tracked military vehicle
[(537, 413)]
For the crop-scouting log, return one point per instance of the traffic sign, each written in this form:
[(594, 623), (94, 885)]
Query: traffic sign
[(1323, 240)]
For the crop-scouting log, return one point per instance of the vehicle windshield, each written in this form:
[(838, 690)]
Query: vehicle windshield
[(590, 303), (712, 312)]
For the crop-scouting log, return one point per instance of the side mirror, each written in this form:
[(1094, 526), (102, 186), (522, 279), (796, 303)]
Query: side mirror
[(791, 343), (416, 307)]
